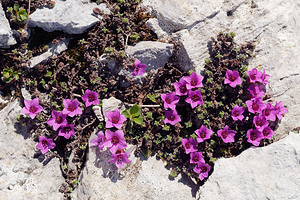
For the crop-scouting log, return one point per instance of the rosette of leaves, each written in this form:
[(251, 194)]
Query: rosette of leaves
[(134, 114)]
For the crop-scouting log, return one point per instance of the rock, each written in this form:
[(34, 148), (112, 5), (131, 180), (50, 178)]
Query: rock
[(153, 24), (70, 16), (146, 179), (54, 50), (22, 176), (270, 172), (273, 26), (111, 104), (175, 15), (153, 54), (6, 35)]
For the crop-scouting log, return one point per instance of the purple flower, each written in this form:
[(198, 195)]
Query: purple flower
[(120, 158), (196, 157), (267, 132), (254, 136), (226, 134), (115, 140), (260, 122), (170, 100), (237, 113), (180, 87), (203, 133), (194, 98), (139, 69), (202, 169), (255, 105), (114, 119), (255, 91), (190, 145), (269, 112), (254, 76), (71, 107), (265, 77), (193, 81), (99, 140), (45, 144), (232, 78), (280, 110), (90, 98), (172, 117), (67, 131), (32, 108), (58, 119)]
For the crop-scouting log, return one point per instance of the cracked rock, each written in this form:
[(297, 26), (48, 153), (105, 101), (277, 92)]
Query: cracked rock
[(6, 35), (270, 172), (70, 16)]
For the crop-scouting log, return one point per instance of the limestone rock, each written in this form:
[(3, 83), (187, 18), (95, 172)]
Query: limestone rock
[(174, 15), (22, 176), (153, 54), (147, 179), (53, 50), (70, 16), (6, 37), (153, 24), (270, 172)]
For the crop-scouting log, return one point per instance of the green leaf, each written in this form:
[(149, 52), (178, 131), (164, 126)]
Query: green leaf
[(135, 111), (126, 113), (166, 128), (138, 121), (16, 7)]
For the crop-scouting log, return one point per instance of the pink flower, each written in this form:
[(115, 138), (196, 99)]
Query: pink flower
[(170, 100), (196, 157), (115, 140), (267, 132), (45, 144), (255, 91), (237, 113), (90, 98), (139, 69), (71, 107), (280, 110), (99, 140), (202, 169), (254, 76), (32, 108), (254, 136), (193, 81), (255, 105), (269, 112), (180, 87), (203, 133), (265, 77), (226, 134), (190, 145), (67, 131), (114, 119), (57, 120), (232, 78), (194, 98), (172, 117), (120, 158), (260, 122)]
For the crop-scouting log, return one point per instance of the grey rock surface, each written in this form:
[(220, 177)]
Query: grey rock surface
[(174, 15), (154, 54), (70, 16), (270, 172), (54, 50), (148, 179), (6, 37), (21, 175), (272, 25)]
